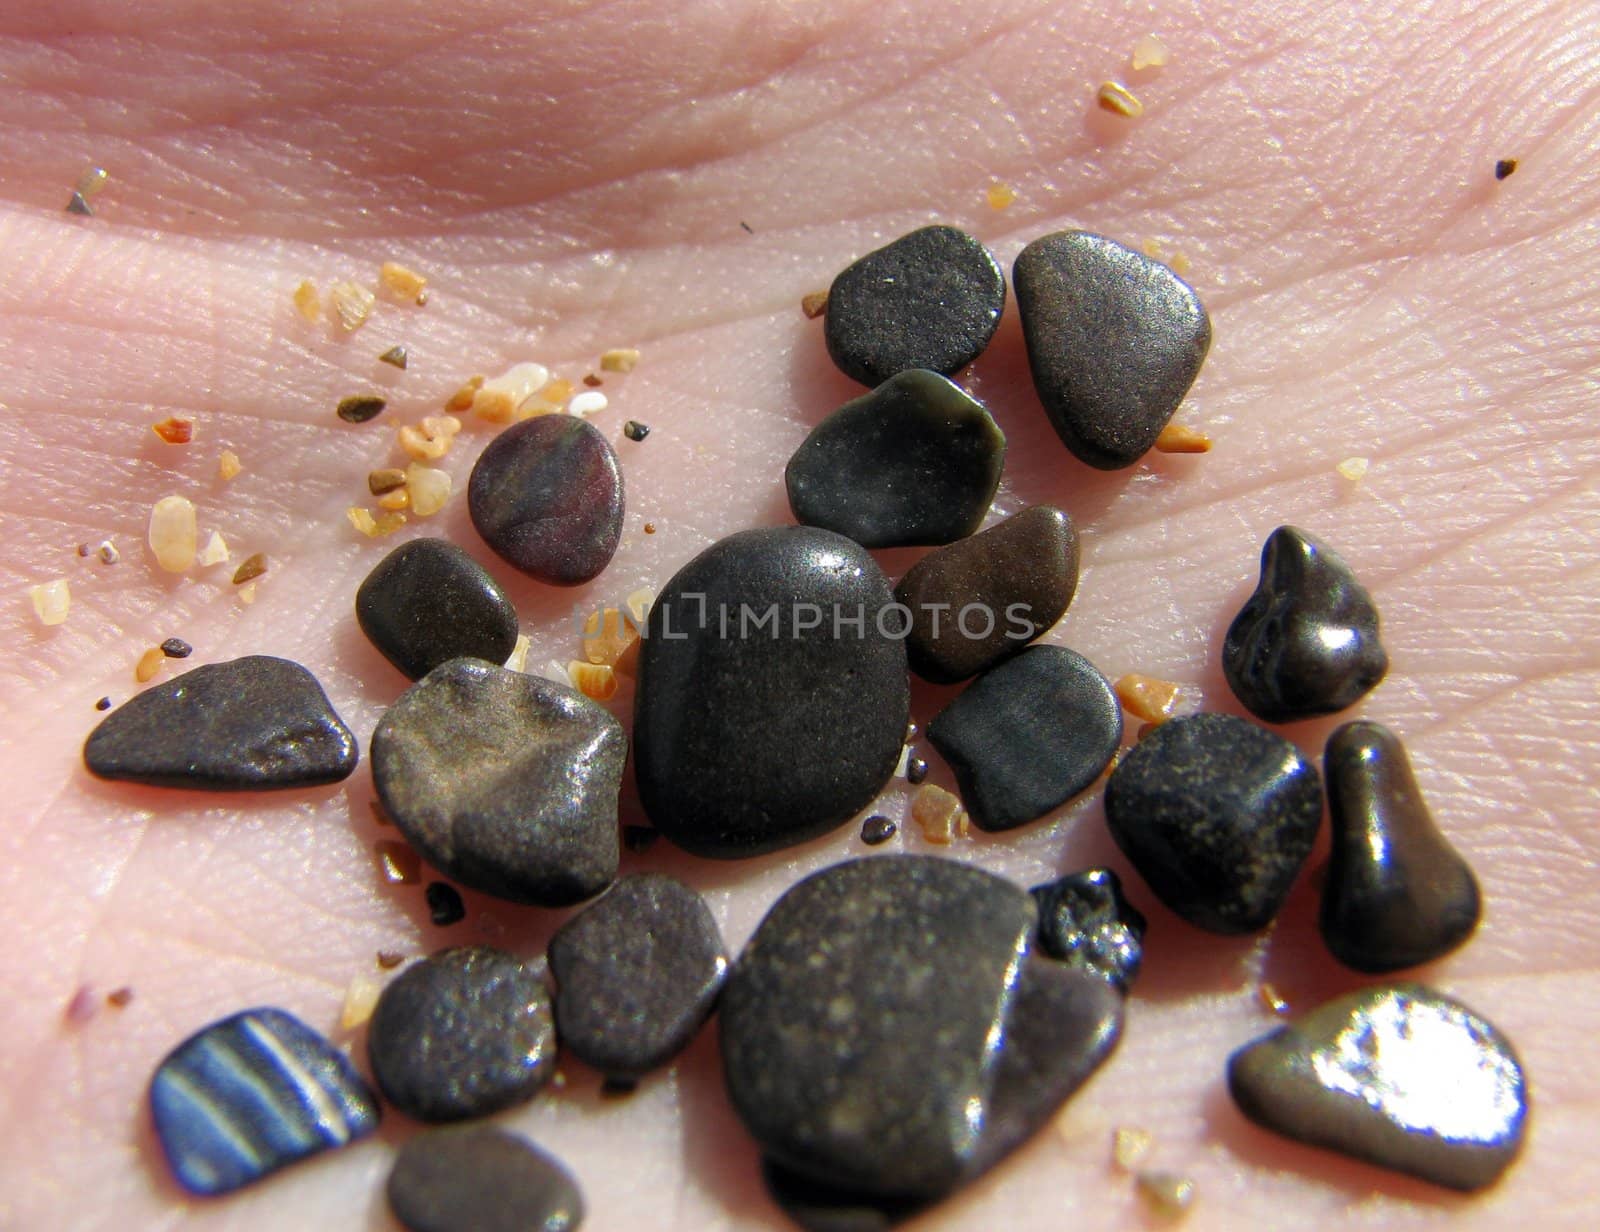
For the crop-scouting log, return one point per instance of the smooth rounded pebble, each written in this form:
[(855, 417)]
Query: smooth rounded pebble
[(251, 1094), (251, 724), (1306, 642), (1218, 815), (931, 299), (546, 495), (1114, 341), (462, 1034), (428, 602), (916, 461), (481, 1178), (1399, 1076), (771, 706), (504, 782), (1397, 893)]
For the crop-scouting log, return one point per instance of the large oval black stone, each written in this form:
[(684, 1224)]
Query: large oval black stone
[(771, 703)]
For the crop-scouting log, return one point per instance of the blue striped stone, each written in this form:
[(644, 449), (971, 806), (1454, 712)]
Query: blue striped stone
[(251, 1094)]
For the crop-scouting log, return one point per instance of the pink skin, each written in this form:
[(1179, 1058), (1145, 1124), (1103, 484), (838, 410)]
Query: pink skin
[(575, 180)]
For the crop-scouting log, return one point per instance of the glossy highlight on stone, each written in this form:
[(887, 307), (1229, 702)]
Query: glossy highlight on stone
[(462, 1034), (1027, 736), (1218, 816), (916, 461), (428, 602), (1306, 642), (758, 722), (504, 782), (1084, 921), (1114, 341), (981, 600), (931, 299), (251, 1094), (1399, 1076), (546, 495), (251, 724), (481, 1178), (1397, 893)]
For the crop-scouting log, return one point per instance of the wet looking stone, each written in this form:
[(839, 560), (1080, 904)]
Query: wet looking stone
[(428, 602), (1085, 921)]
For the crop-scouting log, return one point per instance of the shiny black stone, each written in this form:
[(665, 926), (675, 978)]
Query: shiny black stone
[(428, 602), (480, 1178), (252, 724), (1306, 642), (916, 461), (462, 1034), (1400, 1076), (1397, 892), (546, 495), (860, 1028), (758, 721), (176, 648), (1114, 340), (916, 770), (445, 905), (1217, 815), (980, 600), (251, 1094), (1029, 735), (635, 431), (931, 299), (878, 829), (636, 974), (1084, 921), (503, 781)]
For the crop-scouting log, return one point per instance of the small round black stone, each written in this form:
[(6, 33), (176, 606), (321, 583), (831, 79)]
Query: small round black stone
[(445, 906), (480, 1178), (1084, 921), (635, 431), (103, 704), (916, 770), (462, 1034), (176, 648), (877, 829)]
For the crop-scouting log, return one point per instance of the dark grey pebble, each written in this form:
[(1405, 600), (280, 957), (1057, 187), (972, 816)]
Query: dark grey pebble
[(635, 431), (1085, 921), (1397, 893), (503, 781), (462, 1034), (931, 299), (445, 905), (636, 974), (878, 829), (251, 724), (916, 769), (764, 723), (79, 204), (981, 600), (103, 704), (916, 461), (480, 1178), (176, 648), (251, 1094), (1400, 1076), (887, 1034), (1027, 736), (546, 495), (428, 602), (1217, 815), (1114, 340), (1306, 642)]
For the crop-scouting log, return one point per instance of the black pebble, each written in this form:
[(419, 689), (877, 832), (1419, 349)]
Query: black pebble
[(1306, 642), (78, 204), (882, 1041), (103, 704), (445, 906), (546, 495), (1027, 736), (504, 782), (916, 770), (877, 829), (1114, 340), (635, 431), (1400, 1076), (636, 974), (916, 461), (1085, 921), (1217, 815), (480, 1178), (980, 600), (639, 838), (360, 408), (768, 736), (1397, 892), (428, 602), (251, 1094), (1504, 167), (251, 724), (176, 648), (462, 1034), (932, 299)]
